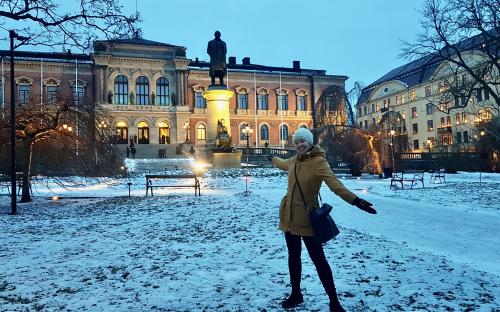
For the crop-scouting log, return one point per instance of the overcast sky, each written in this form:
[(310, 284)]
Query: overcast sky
[(360, 39)]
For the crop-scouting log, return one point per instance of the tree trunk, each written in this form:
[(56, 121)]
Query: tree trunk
[(26, 187)]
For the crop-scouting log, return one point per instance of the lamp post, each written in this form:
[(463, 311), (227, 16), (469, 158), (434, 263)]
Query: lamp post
[(186, 126), (247, 132), (12, 36), (392, 133)]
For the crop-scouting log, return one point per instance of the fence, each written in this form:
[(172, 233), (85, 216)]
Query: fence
[(452, 162)]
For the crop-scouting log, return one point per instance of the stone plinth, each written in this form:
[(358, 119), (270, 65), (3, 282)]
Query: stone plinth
[(217, 109)]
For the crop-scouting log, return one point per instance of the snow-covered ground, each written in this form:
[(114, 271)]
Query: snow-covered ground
[(96, 249)]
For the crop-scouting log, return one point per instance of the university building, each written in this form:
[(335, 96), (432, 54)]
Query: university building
[(154, 93), (417, 95)]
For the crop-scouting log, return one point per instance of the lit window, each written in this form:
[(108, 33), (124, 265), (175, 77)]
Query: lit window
[(413, 95), (457, 118), (414, 112), (201, 132), (430, 125)]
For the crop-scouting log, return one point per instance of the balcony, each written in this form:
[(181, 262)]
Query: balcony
[(445, 129)]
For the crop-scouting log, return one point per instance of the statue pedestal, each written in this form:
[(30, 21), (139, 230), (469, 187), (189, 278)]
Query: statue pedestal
[(217, 109), (226, 160)]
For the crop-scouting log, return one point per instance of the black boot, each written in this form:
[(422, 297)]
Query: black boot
[(294, 300), (335, 305)]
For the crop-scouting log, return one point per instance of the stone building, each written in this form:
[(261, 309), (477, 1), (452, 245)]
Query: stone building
[(154, 92), (418, 93)]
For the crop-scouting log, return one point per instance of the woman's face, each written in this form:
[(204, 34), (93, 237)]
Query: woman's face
[(301, 146)]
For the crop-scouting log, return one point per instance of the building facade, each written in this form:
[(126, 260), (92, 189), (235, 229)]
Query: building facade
[(154, 93), (418, 93)]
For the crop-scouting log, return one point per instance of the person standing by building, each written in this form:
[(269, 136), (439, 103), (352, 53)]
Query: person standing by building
[(308, 168)]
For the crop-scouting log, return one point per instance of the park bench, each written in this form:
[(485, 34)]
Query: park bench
[(152, 179), (410, 176), (341, 172), (5, 181), (438, 175)]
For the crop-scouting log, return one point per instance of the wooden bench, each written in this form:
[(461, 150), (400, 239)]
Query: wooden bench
[(341, 171), (411, 176), (438, 175), (5, 181), (151, 178)]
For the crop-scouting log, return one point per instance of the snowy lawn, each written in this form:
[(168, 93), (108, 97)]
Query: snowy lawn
[(428, 249)]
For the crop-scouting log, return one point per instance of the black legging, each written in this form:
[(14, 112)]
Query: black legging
[(315, 250)]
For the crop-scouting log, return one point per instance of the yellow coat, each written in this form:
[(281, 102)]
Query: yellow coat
[(311, 169)]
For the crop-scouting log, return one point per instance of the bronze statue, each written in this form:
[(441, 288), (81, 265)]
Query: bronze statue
[(223, 141), (217, 50)]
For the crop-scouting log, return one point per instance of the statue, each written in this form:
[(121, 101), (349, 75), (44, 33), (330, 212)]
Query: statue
[(223, 141), (217, 50)]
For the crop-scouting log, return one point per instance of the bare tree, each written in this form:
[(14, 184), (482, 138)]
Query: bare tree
[(464, 36), (67, 128), (66, 24)]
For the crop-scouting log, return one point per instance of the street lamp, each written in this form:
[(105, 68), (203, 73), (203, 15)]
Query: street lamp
[(247, 132), (13, 35), (392, 133), (186, 126)]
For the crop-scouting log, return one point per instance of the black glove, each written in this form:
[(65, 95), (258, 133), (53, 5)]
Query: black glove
[(270, 157), (364, 205)]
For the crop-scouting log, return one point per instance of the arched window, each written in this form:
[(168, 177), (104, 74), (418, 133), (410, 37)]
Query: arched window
[(264, 132), (142, 91), (283, 132), (201, 132), (162, 97), (143, 133), (121, 133), (164, 133), (121, 90)]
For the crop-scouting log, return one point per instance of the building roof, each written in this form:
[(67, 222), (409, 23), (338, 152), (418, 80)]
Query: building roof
[(140, 41), (47, 56), (420, 71), (263, 68)]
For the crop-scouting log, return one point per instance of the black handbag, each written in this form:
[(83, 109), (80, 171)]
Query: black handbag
[(322, 223)]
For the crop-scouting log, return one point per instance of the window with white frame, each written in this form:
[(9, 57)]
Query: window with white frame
[(199, 100), (264, 132), (263, 101), (242, 101), (142, 91), (24, 93), (51, 94), (162, 92), (283, 132), (301, 103), (121, 90), (201, 132)]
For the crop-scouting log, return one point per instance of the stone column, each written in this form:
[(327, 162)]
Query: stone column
[(217, 109)]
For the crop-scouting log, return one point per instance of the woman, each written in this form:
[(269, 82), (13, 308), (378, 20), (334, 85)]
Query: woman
[(309, 168)]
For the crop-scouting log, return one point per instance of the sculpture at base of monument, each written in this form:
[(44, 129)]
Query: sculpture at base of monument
[(223, 141), (217, 50)]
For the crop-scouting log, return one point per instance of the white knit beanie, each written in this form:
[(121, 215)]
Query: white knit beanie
[(304, 134)]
